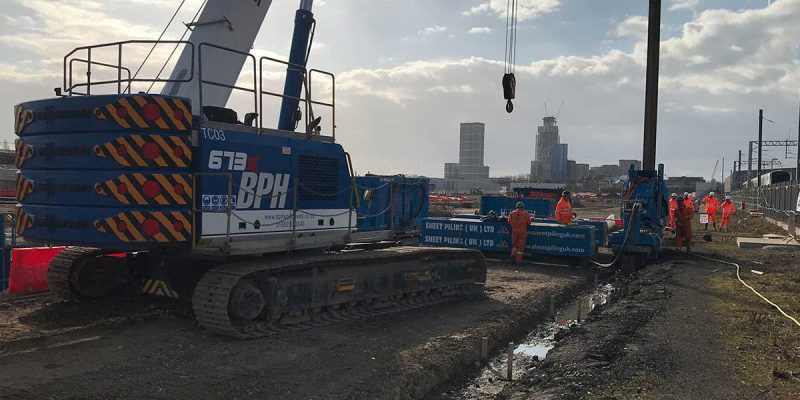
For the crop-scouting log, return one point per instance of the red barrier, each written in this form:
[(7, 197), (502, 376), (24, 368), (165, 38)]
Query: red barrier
[(29, 269)]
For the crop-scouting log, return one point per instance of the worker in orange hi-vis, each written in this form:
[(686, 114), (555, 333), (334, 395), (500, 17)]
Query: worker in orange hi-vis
[(673, 205), (683, 226), (519, 220), (728, 209), (688, 202), (712, 205), (564, 212)]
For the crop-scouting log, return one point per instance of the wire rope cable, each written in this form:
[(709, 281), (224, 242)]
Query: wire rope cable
[(172, 53), (152, 49)]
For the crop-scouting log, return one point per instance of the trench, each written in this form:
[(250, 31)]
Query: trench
[(490, 379)]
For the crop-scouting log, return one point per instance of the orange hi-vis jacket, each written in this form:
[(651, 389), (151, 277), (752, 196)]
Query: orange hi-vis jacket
[(728, 208), (564, 211), (712, 204), (689, 203), (673, 205), (519, 220)]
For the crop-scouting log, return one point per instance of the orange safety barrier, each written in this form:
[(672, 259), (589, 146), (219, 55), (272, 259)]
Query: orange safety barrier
[(29, 269)]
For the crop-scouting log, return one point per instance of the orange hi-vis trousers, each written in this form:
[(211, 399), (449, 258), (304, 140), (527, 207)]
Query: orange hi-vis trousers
[(518, 240)]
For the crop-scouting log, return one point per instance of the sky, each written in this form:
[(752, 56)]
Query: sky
[(408, 72)]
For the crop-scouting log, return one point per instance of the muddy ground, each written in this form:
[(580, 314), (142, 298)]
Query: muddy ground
[(684, 328), (146, 348)]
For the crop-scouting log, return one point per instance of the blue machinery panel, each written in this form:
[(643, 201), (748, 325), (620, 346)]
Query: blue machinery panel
[(122, 171), (503, 205), (645, 206), (266, 178), (395, 203)]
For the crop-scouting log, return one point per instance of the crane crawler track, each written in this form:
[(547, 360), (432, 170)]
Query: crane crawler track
[(213, 292), (59, 272)]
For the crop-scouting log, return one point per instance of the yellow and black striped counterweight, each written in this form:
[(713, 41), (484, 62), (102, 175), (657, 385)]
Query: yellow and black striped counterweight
[(147, 112)]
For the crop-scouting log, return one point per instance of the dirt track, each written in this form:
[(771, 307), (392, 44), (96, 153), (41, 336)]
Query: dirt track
[(683, 328), (151, 348)]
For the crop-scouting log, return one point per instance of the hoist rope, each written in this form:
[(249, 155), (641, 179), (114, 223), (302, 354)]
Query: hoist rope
[(511, 37), (163, 32), (194, 19)]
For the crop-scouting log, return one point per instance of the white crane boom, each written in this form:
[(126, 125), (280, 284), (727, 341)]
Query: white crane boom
[(716, 164), (233, 24)]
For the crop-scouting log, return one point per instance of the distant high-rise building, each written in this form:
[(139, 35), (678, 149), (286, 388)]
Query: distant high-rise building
[(578, 172), (470, 155), (559, 167), (471, 146), (450, 170), (571, 170), (547, 138)]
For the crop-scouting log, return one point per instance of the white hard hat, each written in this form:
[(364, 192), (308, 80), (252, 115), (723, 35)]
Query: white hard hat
[(674, 195), (727, 197), (711, 194), (685, 194)]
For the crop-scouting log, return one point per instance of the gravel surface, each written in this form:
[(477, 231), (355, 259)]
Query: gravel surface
[(660, 339), (684, 328), (150, 348)]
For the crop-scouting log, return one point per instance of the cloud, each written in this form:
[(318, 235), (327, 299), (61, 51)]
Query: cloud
[(635, 26), (721, 67), (526, 9), (483, 30), (52, 27), (432, 30), (157, 3), (26, 72), (716, 71), (477, 10), (684, 5)]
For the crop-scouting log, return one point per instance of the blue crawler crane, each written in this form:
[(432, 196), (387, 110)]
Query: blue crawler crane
[(172, 194)]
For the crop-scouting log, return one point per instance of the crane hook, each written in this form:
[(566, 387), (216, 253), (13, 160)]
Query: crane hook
[(509, 90)]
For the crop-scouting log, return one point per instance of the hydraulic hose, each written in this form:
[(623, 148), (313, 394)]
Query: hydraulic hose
[(634, 214), (739, 277)]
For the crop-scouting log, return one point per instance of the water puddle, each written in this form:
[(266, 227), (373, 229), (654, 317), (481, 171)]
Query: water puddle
[(492, 378), (540, 341)]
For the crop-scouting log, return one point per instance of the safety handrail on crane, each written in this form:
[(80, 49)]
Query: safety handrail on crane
[(80, 60), (70, 87), (307, 76), (262, 92), (332, 104), (202, 81)]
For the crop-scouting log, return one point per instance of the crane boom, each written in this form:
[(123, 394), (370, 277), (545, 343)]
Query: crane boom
[(716, 164), (295, 72), (233, 24)]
